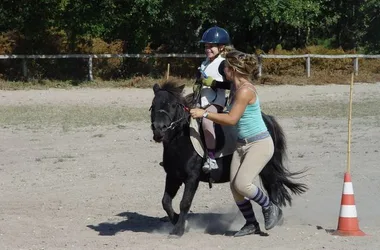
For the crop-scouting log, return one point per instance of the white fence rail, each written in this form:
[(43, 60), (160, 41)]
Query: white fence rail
[(90, 57)]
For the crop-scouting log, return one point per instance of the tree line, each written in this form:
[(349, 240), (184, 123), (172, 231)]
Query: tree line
[(163, 26)]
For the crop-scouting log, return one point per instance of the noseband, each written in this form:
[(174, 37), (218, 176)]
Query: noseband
[(173, 124)]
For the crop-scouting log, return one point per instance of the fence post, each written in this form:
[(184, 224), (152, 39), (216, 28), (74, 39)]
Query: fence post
[(308, 65), (24, 68), (90, 77), (356, 66), (260, 60)]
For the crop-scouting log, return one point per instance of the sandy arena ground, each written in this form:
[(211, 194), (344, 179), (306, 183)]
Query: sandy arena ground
[(100, 187)]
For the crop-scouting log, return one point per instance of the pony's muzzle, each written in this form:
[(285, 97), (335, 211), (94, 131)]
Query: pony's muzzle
[(158, 132), (157, 138)]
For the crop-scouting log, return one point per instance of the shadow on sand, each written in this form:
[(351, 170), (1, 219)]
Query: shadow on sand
[(209, 223)]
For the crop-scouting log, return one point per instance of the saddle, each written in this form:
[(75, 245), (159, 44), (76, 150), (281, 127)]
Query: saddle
[(226, 137)]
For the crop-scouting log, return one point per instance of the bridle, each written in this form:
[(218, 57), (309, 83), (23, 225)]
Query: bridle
[(173, 124)]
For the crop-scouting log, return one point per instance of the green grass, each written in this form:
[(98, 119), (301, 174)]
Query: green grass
[(37, 116), (137, 82), (364, 108), (74, 116)]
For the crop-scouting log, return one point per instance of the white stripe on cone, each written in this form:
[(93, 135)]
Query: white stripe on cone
[(348, 188), (348, 211)]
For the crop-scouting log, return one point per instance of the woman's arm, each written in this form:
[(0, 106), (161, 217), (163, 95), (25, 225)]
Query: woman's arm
[(225, 84), (243, 97)]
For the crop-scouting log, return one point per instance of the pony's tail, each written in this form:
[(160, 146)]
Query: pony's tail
[(275, 177)]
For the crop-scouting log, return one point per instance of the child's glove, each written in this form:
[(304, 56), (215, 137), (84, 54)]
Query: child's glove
[(208, 81)]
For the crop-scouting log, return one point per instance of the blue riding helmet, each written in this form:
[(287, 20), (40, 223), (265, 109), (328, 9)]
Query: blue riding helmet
[(215, 35)]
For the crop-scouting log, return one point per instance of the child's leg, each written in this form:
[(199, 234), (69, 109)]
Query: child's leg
[(209, 132), (210, 140)]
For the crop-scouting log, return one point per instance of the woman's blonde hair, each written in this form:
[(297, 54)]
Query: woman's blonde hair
[(245, 64)]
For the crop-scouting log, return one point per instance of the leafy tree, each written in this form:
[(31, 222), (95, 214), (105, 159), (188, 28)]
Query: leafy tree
[(88, 19), (371, 23)]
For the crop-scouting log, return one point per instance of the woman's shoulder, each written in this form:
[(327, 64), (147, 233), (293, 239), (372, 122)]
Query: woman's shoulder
[(246, 92), (248, 87)]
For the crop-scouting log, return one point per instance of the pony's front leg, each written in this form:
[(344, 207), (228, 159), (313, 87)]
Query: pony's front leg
[(171, 188), (191, 186)]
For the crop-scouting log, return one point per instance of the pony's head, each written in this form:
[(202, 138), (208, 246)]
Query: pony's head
[(167, 110)]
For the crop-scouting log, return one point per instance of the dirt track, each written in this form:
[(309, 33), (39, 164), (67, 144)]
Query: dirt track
[(100, 186)]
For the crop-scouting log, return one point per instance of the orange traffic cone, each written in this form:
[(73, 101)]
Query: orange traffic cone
[(348, 224)]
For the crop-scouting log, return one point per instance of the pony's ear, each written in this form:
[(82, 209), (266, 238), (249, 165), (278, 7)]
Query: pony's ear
[(181, 87), (156, 88)]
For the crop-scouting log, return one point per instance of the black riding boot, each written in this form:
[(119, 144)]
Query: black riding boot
[(272, 215), (249, 228)]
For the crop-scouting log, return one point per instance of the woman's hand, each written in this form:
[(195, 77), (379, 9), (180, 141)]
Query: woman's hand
[(197, 113)]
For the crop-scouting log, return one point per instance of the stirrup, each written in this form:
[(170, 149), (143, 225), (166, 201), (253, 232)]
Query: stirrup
[(206, 168)]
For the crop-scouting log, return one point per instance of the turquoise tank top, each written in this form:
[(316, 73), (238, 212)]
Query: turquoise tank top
[(251, 122)]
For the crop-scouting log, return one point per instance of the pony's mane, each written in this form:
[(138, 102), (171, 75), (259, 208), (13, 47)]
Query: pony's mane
[(171, 87), (175, 89)]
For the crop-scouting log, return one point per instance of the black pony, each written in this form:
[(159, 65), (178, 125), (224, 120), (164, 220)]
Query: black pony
[(182, 164)]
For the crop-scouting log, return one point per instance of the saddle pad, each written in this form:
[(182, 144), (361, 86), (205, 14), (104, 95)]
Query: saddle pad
[(228, 147)]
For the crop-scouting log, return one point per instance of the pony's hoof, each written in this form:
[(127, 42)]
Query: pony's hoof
[(175, 219), (173, 236), (177, 232)]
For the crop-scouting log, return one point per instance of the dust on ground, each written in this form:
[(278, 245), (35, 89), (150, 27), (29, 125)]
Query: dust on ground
[(79, 170)]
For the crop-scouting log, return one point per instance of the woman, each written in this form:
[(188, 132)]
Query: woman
[(254, 146), (215, 40)]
